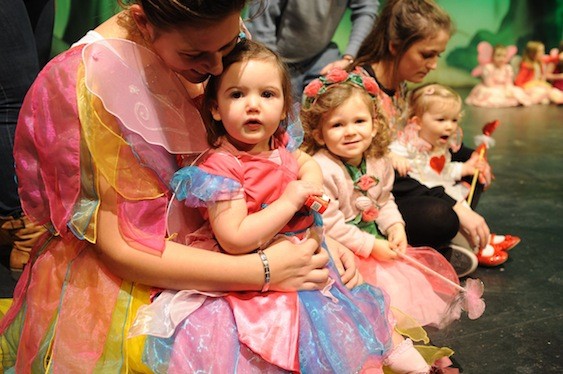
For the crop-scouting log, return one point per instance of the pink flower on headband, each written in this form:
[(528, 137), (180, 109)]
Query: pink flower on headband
[(312, 89), (370, 85), (337, 75)]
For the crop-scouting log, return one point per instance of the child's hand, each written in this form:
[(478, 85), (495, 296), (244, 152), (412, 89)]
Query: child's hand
[(475, 163), (345, 263), (397, 237), (297, 192), (400, 163), (382, 250), (472, 226)]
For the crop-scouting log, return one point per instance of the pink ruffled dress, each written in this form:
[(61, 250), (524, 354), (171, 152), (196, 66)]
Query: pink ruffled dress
[(497, 89), (357, 191)]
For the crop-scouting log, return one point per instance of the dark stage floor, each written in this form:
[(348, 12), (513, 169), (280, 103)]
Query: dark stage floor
[(522, 328)]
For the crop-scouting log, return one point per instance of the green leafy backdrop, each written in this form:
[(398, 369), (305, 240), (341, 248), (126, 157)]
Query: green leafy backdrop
[(496, 21)]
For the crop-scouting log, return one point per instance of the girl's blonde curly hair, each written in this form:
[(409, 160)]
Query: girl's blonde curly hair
[(314, 115)]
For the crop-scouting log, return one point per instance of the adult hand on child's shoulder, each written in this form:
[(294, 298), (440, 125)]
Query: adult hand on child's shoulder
[(343, 63)]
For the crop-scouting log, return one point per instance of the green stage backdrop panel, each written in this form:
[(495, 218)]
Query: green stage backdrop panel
[(496, 21)]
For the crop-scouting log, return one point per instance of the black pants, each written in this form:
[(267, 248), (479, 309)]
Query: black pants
[(430, 221), (26, 29)]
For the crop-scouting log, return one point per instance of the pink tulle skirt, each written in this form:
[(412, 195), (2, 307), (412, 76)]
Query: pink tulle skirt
[(414, 292)]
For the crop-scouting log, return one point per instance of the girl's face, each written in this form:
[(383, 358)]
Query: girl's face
[(422, 57), (439, 122), (196, 52), (348, 130), (250, 103), (499, 57)]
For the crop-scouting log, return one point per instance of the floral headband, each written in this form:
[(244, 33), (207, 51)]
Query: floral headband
[(320, 85)]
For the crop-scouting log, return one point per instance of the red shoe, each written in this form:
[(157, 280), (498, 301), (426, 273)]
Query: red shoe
[(490, 257), (509, 242)]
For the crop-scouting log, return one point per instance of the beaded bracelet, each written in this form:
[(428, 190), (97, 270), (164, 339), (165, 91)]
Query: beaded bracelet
[(266, 265)]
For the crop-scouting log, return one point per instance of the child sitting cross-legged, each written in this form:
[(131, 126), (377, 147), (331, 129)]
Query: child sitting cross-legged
[(431, 133)]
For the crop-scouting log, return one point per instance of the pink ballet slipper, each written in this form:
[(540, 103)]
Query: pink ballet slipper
[(405, 359)]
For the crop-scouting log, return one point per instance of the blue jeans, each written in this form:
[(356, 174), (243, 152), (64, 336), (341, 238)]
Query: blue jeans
[(26, 30)]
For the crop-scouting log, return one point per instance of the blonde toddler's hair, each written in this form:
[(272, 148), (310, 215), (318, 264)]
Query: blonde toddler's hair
[(531, 50), (421, 98)]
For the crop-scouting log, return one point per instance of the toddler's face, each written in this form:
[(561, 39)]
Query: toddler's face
[(440, 122), (348, 130), (250, 104), (499, 57)]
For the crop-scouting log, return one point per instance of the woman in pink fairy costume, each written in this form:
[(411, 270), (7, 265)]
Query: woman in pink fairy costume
[(94, 151), (497, 89)]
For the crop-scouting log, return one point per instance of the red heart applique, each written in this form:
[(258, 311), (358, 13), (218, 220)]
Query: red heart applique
[(437, 163)]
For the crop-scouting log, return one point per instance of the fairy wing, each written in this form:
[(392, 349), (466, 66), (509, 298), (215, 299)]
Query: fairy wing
[(295, 130), (144, 94), (484, 56), (511, 51)]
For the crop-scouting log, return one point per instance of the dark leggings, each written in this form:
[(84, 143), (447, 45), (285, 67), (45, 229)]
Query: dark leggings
[(25, 41), (423, 231)]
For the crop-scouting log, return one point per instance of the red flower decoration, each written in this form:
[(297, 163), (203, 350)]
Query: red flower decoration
[(370, 85), (366, 182), (312, 89), (370, 214), (337, 75)]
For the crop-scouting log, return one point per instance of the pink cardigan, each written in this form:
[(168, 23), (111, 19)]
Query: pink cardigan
[(339, 186)]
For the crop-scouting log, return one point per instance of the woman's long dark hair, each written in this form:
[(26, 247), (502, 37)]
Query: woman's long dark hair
[(402, 23)]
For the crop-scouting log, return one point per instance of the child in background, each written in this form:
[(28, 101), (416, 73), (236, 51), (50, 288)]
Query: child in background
[(427, 141), (497, 89), (532, 76), (555, 67), (253, 185), (348, 138)]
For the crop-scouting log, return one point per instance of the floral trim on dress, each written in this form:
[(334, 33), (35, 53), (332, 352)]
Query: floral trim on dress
[(368, 207)]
